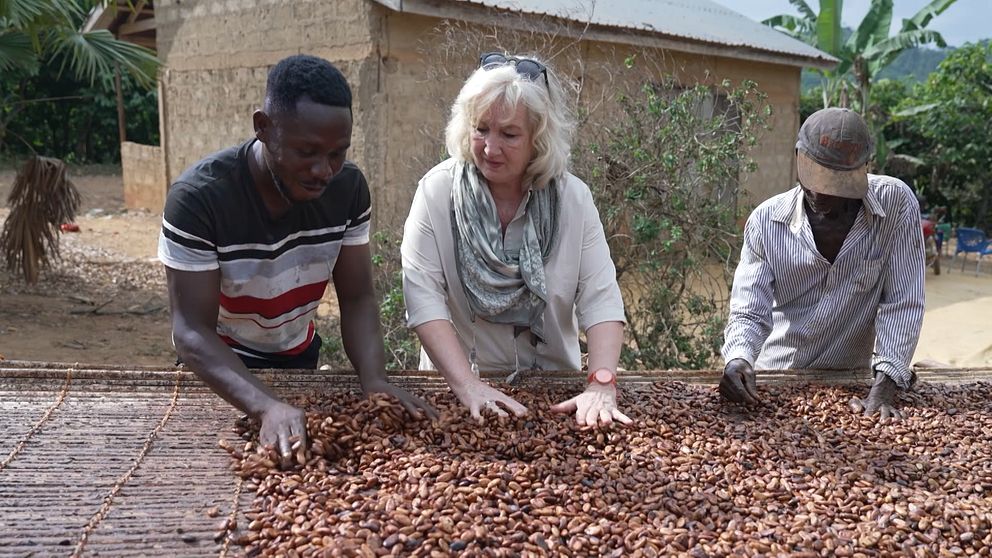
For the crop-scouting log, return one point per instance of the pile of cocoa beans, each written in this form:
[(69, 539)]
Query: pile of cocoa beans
[(799, 474)]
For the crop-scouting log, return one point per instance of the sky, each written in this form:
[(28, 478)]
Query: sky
[(965, 21)]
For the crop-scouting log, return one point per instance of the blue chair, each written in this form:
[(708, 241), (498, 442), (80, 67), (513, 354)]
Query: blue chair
[(972, 241)]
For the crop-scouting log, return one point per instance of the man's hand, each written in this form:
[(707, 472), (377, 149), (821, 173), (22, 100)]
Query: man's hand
[(414, 405), (881, 399), (596, 405), (738, 383), (280, 422), (478, 396)]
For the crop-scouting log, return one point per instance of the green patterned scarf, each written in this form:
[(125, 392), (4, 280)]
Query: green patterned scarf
[(501, 287)]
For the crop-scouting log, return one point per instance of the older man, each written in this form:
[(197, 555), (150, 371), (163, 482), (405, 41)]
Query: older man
[(831, 272)]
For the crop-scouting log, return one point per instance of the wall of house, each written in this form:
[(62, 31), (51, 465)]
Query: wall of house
[(404, 74), (421, 75), (143, 174), (217, 56), (774, 153)]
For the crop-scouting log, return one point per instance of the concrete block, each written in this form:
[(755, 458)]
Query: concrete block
[(143, 172)]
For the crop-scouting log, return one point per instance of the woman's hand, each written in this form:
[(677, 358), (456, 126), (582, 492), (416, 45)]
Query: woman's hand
[(478, 396), (596, 405)]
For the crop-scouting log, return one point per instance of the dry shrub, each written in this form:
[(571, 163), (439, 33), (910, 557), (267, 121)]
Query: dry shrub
[(40, 201)]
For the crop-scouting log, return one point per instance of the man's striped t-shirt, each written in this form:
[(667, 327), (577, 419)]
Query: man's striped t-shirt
[(273, 271)]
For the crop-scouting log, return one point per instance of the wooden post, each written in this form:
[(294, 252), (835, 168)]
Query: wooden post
[(163, 130), (121, 123)]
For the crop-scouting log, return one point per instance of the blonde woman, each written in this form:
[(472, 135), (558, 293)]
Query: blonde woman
[(504, 255)]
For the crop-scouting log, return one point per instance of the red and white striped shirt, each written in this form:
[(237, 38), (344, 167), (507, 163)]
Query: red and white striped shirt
[(273, 271)]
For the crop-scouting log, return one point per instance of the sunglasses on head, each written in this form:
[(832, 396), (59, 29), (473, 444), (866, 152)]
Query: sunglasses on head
[(524, 66)]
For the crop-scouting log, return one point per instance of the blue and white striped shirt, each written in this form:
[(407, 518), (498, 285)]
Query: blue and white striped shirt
[(791, 308)]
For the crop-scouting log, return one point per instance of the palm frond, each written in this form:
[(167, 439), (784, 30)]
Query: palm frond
[(16, 52), (804, 9), (20, 13), (874, 28), (792, 26), (828, 28), (846, 61), (922, 18), (913, 111), (882, 53), (95, 53), (61, 11)]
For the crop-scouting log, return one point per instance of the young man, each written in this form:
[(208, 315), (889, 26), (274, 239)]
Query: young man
[(831, 272), (252, 234)]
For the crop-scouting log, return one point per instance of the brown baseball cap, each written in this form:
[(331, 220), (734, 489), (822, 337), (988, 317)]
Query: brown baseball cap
[(833, 149)]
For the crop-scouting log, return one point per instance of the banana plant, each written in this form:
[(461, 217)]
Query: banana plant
[(871, 49), (822, 30), (868, 49)]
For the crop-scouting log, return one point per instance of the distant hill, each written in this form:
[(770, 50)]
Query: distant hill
[(913, 64)]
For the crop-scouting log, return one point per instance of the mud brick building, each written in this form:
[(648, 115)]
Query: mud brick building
[(216, 53)]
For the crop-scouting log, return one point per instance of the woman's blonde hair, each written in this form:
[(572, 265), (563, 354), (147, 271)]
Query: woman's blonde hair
[(547, 112)]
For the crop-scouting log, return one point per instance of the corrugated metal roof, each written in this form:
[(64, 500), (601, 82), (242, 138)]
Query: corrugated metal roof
[(703, 21)]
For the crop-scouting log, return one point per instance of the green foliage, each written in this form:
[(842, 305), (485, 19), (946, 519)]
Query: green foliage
[(49, 67), (913, 65), (85, 130), (332, 350), (810, 101), (51, 29), (665, 173), (869, 49), (401, 343), (951, 114), (822, 30)]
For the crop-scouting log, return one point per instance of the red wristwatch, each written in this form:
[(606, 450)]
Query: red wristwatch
[(603, 376)]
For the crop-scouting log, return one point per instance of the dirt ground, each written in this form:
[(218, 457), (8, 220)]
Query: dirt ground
[(106, 303)]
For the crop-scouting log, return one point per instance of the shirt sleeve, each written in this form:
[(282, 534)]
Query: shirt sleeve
[(598, 297), (901, 307), (187, 239), (751, 299), (424, 286), (356, 233)]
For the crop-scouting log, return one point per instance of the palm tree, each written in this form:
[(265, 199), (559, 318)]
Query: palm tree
[(868, 49), (33, 32)]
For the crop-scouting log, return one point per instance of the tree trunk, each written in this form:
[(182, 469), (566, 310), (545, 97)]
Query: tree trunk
[(982, 215), (83, 141), (121, 124), (865, 95)]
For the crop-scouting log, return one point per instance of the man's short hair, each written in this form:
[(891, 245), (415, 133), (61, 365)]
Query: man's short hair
[(301, 76)]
